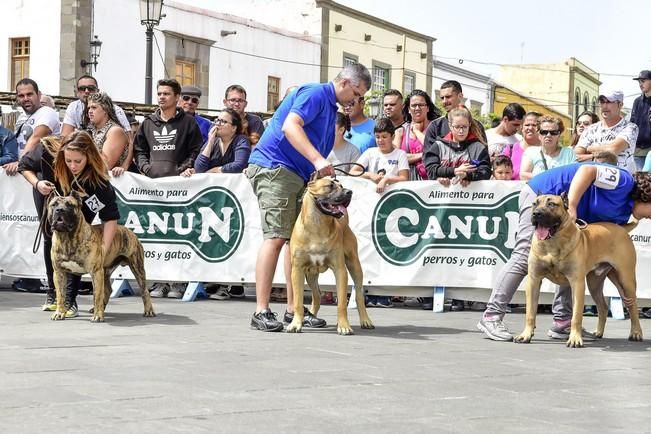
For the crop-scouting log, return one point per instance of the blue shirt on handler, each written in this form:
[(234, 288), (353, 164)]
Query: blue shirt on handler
[(316, 104), (608, 199)]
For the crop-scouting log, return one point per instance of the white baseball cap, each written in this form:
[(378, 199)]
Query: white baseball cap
[(612, 95)]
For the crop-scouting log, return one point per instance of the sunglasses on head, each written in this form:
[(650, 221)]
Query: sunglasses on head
[(194, 99), (550, 132), (89, 88)]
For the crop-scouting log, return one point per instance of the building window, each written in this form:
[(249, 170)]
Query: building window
[(273, 92), (19, 60), (409, 83), (350, 59), (594, 104), (586, 101), (577, 101), (381, 77), (475, 107), (185, 73)]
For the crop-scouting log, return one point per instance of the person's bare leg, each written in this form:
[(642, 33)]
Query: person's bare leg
[(265, 267), (288, 278)]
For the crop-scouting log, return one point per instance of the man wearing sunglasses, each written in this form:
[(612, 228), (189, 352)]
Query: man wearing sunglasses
[(641, 116), (74, 117), (613, 134), (189, 101)]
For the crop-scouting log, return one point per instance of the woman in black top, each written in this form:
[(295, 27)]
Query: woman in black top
[(73, 163)]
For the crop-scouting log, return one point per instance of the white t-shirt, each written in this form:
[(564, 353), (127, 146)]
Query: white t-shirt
[(347, 154), (374, 161), (497, 142), (598, 133), (43, 116), (75, 112)]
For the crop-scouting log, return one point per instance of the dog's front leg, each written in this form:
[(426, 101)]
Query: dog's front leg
[(577, 283), (60, 280), (99, 294), (341, 280), (532, 294), (298, 285)]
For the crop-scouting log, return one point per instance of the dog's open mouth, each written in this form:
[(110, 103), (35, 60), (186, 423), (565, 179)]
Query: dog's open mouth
[(334, 209), (545, 232)]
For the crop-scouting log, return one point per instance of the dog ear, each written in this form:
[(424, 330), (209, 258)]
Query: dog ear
[(314, 176), (566, 203), (78, 196)]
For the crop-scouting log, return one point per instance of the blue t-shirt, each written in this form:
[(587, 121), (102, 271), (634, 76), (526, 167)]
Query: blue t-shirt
[(316, 104), (362, 135), (597, 204), (204, 126)]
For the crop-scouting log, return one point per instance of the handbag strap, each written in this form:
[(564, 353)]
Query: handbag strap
[(544, 161)]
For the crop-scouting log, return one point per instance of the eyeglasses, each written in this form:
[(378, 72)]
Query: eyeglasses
[(417, 106), (584, 123), (549, 132), (222, 122), (194, 99), (236, 101), (89, 88), (459, 127)]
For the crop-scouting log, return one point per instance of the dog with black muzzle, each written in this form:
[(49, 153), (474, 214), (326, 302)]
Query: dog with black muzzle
[(77, 249), (567, 255), (322, 240)]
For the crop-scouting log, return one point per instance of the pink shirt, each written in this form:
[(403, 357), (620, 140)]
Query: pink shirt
[(516, 158)]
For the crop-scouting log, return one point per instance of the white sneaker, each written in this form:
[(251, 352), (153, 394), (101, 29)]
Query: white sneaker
[(495, 329)]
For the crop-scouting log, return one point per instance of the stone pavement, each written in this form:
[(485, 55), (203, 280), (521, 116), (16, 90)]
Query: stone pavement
[(197, 367)]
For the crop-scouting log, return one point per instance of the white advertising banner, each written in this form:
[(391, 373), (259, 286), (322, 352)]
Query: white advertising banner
[(207, 228)]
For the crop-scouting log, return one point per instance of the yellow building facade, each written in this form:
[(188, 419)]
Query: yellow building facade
[(503, 96), (569, 87), (397, 57)]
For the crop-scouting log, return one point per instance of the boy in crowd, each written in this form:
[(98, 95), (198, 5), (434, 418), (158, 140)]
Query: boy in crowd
[(502, 168), (384, 165)]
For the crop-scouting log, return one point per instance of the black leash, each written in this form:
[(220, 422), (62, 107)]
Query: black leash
[(337, 169), (42, 225)]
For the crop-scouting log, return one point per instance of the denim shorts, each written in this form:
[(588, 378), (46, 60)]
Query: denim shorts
[(280, 194)]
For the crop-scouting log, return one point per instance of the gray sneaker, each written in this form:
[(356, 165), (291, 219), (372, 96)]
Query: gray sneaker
[(494, 329), (177, 290), (159, 289), (563, 333)]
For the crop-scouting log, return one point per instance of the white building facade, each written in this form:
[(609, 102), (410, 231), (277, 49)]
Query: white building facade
[(196, 46)]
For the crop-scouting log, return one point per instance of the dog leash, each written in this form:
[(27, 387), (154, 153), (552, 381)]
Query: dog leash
[(42, 225), (344, 172)]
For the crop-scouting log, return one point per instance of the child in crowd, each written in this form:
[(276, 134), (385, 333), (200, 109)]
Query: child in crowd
[(502, 168), (384, 165), (343, 151)]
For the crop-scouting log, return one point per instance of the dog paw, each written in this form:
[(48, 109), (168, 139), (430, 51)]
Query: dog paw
[(574, 341), (57, 316), (367, 324), (97, 318), (149, 313), (523, 338), (598, 334), (345, 330), (635, 336), (295, 326)]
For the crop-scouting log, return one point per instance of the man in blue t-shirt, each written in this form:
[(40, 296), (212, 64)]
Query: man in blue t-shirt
[(294, 145), (596, 192)]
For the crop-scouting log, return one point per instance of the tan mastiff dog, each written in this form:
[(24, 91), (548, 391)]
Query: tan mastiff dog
[(322, 240), (566, 255), (77, 249)]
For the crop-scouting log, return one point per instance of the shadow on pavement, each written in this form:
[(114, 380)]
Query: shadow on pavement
[(120, 319)]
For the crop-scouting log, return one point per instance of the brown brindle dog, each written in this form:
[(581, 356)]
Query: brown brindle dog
[(77, 249), (567, 255), (322, 240)]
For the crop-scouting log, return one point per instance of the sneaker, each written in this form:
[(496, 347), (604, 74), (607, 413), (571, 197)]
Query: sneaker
[(562, 331), (236, 291), (494, 329), (85, 288), (177, 290), (428, 303), (73, 311), (371, 300), (50, 304), (383, 302), (309, 320), (457, 306), (221, 294), (27, 285), (478, 306), (159, 290), (413, 302), (590, 311), (646, 313), (266, 321)]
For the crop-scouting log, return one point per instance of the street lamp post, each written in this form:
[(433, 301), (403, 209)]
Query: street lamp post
[(95, 50), (150, 15)]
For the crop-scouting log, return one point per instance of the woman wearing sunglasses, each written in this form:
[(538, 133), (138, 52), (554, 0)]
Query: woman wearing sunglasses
[(227, 149), (550, 154)]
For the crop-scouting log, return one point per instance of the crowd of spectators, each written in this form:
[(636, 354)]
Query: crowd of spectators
[(412, 140)]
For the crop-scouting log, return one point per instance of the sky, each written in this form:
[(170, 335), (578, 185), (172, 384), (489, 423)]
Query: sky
[(611, 37)]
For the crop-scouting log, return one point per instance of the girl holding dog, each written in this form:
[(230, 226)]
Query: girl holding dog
[(72, 163)]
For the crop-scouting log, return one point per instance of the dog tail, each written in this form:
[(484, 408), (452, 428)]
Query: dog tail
[(631, 225)]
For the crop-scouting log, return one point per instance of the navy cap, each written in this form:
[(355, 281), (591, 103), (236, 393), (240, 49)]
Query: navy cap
[(644, 75)]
